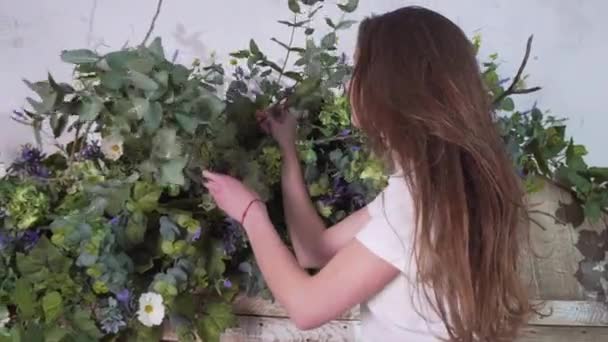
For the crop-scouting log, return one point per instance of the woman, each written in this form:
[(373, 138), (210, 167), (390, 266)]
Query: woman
[(435, 255)]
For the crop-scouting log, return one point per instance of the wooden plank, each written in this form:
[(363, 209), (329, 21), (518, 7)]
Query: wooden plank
[(555, 312), (253, 328), (267, 329), (573, 313), (256, 306), (563, 334), (554, 256)]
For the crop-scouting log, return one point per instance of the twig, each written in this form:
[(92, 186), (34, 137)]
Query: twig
[(158, 6), (511, 90), (537, 223), (293, 31), (540, 212)]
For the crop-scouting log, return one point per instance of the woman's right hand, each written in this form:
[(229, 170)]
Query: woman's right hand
[(282, 127)]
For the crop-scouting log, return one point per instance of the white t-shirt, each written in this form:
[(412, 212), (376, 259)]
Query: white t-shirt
[(391, 315)]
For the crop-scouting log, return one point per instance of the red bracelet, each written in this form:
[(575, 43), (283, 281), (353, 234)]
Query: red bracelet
[(247, 209)]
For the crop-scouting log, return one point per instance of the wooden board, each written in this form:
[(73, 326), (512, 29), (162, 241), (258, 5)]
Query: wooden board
[(266, 329), (572, 313), (554, 258)]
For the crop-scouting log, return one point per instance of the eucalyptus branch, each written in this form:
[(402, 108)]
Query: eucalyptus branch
[(293, 31), (512, 89), (151, 28)]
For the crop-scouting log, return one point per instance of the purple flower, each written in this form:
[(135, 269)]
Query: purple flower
[(196, 235), (227, 283), (344, 132), (91, 151), (115, 221), (29, 238), (232, 236), (503, 81), (355, 148), (124, 296), (30, 163)]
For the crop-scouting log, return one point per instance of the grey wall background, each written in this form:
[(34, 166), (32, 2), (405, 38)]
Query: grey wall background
[(568, 60)]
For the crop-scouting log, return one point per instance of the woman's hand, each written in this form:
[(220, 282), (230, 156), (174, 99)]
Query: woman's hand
[(282, 127), (234, 198)]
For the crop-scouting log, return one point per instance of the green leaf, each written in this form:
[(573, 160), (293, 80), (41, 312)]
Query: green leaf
[(217, 318), (23, 296), (168, 229), (141, 107), (294, 6), (89, 108), (187, 122), (156, 47), (153, 117), (507, 104), (309, 31), (593, 210), (172, 172), (240, 54), (574, 156), (330, 23), (350, 6), (80, 56), (58, 123), (112, 79), (253, 47), (52, 306), (55, 334), (329, 41), (82, 321), (146, 196), (142, 81), (136, 228), (600, 173)]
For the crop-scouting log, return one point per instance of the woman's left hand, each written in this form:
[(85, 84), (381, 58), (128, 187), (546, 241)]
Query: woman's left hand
[(231, 195)]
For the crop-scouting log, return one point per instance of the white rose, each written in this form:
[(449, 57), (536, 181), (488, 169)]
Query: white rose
[(151, 309), (111, 147)]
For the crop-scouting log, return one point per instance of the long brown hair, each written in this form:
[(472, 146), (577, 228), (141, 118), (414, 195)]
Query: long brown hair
[(417, 92)]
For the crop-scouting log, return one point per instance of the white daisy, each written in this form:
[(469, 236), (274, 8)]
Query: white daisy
[(111, 147), (151, 309)]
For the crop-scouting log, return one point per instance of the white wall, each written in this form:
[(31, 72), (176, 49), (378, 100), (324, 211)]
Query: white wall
[(569, 54)]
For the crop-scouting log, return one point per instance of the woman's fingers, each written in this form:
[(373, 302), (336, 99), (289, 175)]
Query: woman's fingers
[(212, 176)]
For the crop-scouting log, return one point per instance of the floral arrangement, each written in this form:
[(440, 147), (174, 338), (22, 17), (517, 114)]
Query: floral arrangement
[(113, 234)]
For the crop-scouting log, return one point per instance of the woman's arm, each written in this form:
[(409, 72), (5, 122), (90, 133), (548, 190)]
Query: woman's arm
[(352, 276), (313, 244)]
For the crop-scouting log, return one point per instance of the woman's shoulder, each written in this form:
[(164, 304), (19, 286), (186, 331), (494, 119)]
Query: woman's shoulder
[(396, 196)]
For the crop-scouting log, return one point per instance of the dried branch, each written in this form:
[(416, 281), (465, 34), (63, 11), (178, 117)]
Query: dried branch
[(158, 6), (512, 89)]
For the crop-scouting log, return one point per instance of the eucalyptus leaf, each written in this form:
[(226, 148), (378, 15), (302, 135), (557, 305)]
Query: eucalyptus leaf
[(172, 171), (79, 56), (350, 6), (253, 47), (187, 122), (294, 6), (142, 81), (112, 79), (329, 41), (156, 47), (153, 117), (89, 108)]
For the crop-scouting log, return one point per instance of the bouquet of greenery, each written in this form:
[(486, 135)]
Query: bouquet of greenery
[(112, 234)]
